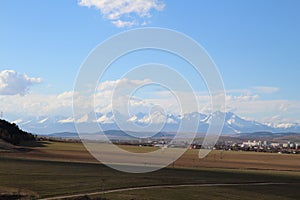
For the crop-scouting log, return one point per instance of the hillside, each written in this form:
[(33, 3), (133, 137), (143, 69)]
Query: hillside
[(11, 133)]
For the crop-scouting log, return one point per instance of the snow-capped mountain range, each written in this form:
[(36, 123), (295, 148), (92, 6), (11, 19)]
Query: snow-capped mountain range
[(233, 123)]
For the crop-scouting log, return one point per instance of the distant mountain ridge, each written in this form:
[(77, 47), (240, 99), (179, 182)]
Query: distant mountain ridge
[(111, 134), (233, 124), (120, 135)]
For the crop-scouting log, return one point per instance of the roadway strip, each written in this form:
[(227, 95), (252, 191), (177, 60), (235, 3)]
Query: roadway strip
[(158, 186)]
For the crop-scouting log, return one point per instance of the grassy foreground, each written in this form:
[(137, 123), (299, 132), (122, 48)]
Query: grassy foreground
[(58, 169), (274, 192), (51, 178)]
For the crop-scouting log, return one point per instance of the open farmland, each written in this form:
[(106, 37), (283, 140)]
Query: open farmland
[(52, 169), (52, 178), (75, 152)]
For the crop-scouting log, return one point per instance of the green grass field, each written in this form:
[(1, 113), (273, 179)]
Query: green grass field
[(47, 177)]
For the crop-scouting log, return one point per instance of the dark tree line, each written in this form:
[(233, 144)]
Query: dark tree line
[(13, 134)]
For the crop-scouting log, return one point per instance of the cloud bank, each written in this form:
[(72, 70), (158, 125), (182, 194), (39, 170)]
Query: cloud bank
[(125, 13), (13, 83), (244, 103)]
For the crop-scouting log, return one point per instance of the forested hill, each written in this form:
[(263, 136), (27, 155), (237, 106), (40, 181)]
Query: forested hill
[(11, 133)]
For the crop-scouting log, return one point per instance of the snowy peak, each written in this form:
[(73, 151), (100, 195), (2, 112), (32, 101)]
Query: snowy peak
[(232, 124)]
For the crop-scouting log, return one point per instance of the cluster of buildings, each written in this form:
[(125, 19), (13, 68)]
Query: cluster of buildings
[(250, 145), (260, 146)]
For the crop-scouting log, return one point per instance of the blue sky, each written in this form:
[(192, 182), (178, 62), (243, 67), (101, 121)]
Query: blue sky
[(255, 44)]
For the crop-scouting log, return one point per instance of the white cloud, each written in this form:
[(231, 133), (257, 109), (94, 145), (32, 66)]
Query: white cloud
[(125, 13), (37, 105), (120, 24), (13, 83), (122, 84), (250, 106)]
